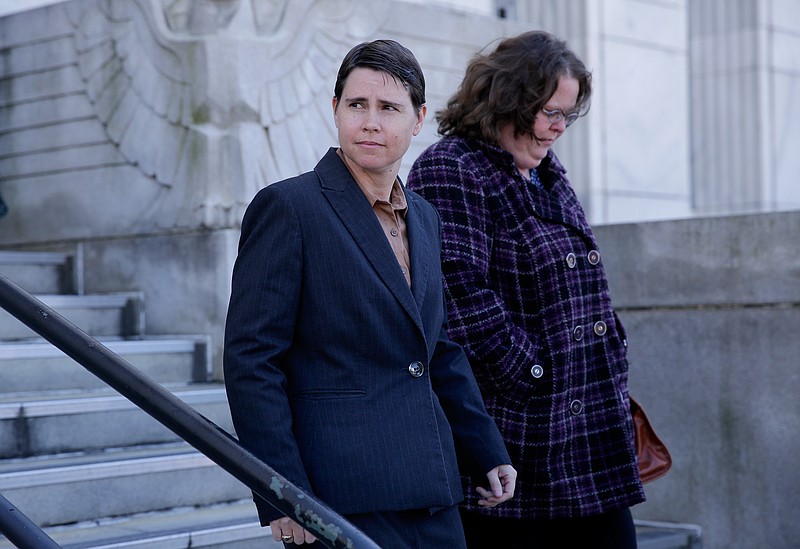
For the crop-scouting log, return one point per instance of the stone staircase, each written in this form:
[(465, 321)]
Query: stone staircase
[(95, 471), (82, 461)]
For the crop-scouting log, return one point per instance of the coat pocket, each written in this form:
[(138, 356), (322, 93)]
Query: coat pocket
[(329, 394)]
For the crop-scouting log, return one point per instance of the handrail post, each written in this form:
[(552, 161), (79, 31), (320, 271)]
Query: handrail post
[(20, 530), (329, 527)]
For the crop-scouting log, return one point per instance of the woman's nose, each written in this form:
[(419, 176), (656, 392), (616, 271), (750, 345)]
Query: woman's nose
[(561, 125), (371, 120)]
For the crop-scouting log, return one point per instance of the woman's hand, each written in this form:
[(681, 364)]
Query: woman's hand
[(288, 531), (502, 481)]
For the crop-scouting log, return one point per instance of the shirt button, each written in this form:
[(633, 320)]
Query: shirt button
[(394, 232), (600, 328), (415, 369), (571, 260), (576, 407), (593, 257), (577, 333), (537, 371)]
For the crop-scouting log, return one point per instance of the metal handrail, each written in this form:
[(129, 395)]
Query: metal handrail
[(20, 530), (329, 527)]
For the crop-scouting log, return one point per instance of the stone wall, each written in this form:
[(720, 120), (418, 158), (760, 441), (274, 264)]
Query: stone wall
[(141, 130), (712, 311)]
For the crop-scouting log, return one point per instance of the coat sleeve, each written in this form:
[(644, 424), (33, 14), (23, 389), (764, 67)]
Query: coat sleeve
[(479, 444), (265, 292), (501, 353)]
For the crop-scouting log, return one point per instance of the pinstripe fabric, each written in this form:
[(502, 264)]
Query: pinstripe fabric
[(520, 306), (321, 330)]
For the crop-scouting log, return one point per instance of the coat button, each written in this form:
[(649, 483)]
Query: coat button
[(576, 407), (577, 333), (593, 257), (415, 369), (600, 328), (571, 260), (537, 371)]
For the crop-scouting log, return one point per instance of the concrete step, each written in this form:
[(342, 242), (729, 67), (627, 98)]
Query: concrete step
[(119, 314), (29, 366), (88, 421), (666, 535), (40, 272), (235, 526), (230, 526), (58, 490)]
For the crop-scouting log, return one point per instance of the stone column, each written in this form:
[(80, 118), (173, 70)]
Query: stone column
[(744, 78), (629, 158)]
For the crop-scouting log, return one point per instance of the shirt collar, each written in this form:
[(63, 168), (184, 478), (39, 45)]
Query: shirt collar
[(397, 197)]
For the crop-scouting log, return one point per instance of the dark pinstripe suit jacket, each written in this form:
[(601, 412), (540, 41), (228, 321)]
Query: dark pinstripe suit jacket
[(321, 339)]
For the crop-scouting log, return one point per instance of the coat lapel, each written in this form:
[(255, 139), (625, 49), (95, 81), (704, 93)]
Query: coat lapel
[(560, 204), (353, 209)]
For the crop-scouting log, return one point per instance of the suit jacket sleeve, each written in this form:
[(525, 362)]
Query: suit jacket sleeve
[(261, 316), (479, 444)]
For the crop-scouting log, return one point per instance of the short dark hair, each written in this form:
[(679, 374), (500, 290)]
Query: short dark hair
[(385, 56), (511, 85)]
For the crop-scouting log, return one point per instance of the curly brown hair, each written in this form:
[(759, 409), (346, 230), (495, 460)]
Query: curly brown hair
[(511, 85)]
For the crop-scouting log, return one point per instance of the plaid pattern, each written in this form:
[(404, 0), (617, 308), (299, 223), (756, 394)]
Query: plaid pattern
[(527, 294)]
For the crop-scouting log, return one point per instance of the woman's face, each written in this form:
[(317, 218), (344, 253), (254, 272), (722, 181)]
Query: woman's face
[(530, 149), (376, 120)]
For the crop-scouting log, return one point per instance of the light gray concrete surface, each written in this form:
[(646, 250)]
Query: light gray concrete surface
[(185, 277), (712, 311)]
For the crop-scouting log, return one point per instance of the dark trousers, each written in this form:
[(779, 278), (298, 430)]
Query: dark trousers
[(417, 529), (614, 530)]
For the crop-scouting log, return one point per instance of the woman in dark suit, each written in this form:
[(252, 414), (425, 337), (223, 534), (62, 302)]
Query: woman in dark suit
[(338, 369), (528, 300)]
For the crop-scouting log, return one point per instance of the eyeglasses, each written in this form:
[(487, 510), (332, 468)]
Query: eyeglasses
[(558, 115)]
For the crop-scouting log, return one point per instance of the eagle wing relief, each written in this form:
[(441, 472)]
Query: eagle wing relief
[(214, 99), (137, 83)]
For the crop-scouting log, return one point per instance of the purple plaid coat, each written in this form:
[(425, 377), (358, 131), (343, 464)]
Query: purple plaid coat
[(529, 302)]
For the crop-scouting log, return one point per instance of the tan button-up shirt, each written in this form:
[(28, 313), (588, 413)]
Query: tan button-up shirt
[(391, 215)]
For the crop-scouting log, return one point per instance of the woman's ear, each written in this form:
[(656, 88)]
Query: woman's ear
[(421, 113), (334, 104)]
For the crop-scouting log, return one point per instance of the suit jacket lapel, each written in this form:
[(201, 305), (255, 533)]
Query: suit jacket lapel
[(418, 245), (353, 209)]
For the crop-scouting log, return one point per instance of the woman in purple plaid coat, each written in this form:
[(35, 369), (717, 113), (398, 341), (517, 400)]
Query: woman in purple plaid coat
[(528, 300)]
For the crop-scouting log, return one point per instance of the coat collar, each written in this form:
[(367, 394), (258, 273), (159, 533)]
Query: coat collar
[(356, 214), (556, 202)]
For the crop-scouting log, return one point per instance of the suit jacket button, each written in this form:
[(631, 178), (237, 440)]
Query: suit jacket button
[(571, 260), (576, 407), (593, 257), (600, 328), (416, 369), (577, 333), (537, 371)]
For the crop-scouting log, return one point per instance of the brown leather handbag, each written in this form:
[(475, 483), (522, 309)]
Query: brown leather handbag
[(652, 453)]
